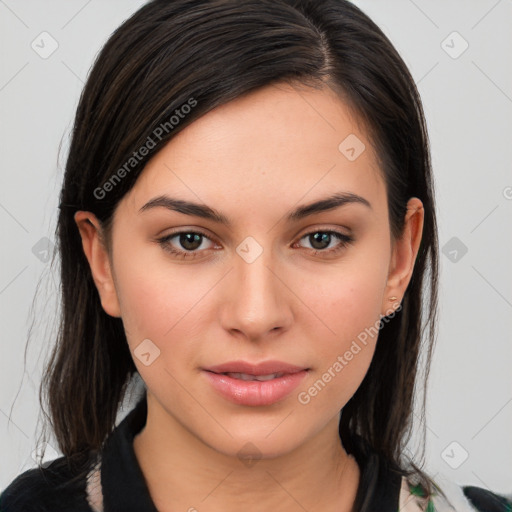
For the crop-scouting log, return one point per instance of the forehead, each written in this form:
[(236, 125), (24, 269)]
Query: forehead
[(279, 145)]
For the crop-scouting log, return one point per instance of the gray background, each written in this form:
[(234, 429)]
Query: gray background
[(467, 97)]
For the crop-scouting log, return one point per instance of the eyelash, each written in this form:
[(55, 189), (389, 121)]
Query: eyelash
[(345, 241)]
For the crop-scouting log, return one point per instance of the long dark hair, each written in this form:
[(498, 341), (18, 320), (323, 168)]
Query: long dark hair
[(202, 54)]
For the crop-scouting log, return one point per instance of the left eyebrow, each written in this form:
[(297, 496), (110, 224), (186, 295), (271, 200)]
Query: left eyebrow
[(199, 210), (329, 203)]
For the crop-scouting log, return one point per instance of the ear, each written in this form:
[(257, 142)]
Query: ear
[(404, 252), (97, 256)]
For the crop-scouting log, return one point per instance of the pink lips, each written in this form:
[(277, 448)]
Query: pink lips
[(264, 368), (253, 392)]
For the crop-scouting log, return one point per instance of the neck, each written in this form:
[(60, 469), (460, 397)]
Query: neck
[(183, 473)]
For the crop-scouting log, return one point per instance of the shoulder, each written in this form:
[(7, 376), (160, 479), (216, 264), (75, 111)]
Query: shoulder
[(487, 501), (450, 496), (58, 485)]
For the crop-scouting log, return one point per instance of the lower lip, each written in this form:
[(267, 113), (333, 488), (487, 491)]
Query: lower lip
[(254, 392)]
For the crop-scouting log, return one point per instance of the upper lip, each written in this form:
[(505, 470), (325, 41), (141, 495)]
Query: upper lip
[(263, 368)]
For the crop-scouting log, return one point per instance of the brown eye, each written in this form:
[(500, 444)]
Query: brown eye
[(321, 241), (188, 243)]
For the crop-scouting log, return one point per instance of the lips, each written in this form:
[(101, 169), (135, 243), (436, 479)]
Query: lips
[(258, 384), (247, 376), (255, 393), (265, 368)]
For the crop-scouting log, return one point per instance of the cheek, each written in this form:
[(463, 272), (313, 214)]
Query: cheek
[(347, 302), (161, 303), (343, 355), (346, 299)]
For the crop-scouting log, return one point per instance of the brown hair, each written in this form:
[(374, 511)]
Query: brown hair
[(213, 51)]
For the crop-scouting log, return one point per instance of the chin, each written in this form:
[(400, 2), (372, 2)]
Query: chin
[(258, 439)]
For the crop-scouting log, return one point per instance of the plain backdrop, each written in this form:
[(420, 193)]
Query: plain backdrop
[(459, 55)]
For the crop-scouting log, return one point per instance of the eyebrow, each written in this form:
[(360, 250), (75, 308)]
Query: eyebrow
[(199, 210)]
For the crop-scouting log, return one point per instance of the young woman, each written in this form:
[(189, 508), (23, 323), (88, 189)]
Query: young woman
[(248, 224)]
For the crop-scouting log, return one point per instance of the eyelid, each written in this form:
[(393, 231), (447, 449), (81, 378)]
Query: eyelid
[(194, 230), (309, 231), (186, 229), (327, 228)]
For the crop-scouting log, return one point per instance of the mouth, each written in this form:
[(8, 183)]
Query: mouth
[(245, 370), (248, 376), (255, 387)]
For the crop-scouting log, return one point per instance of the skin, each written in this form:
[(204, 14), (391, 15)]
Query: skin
[(254, 160)]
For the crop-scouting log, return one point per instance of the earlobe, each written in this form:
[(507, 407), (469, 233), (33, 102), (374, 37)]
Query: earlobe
[(404, 254), (97, 256)]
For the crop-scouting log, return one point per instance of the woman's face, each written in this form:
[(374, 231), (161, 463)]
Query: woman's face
[(264, 285)]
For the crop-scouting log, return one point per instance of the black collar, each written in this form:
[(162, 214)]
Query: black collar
[(124, 486), (122, 480)]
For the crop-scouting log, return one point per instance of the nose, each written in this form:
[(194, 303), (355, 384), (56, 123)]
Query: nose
[(256, 300)]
